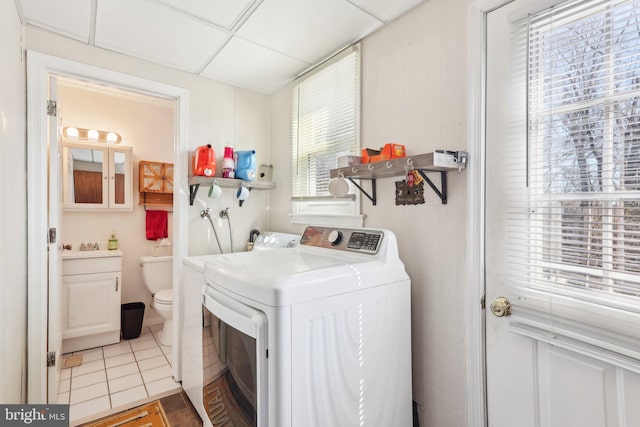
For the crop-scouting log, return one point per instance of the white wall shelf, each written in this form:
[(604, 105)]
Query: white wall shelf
[(196, 181), (440, 161)]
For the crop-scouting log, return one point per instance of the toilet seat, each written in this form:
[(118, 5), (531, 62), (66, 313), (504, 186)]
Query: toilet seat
[(164, 297)]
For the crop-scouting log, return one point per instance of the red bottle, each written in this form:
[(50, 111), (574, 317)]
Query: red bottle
[(204, 161)]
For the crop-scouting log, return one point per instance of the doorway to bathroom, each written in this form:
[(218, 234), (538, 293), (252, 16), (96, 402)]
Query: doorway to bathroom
[(44, 302)]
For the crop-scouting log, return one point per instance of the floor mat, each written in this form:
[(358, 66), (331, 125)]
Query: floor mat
[(149, 415), (72, 361)]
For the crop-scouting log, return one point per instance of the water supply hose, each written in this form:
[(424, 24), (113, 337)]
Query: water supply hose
[(225, 214), (205, 214)]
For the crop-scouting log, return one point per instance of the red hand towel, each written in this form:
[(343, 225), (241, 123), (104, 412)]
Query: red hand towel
[(157, 225)]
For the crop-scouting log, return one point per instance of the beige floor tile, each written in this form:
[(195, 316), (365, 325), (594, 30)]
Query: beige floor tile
[(122, 359), (124, 383), (156, 373), (154, 362), (148, 353), (85, 368), (126, 397), (88, 379), (161, 386), (88, 393), (122, 370), (89, 407)]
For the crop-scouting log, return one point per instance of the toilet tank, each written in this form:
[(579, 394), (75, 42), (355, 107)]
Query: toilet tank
[(157, 272)]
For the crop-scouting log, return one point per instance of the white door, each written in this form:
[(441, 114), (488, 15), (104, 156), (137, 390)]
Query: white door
[(54, 333), (564, 257)]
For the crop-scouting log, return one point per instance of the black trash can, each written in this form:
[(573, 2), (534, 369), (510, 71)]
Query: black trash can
[(131, 317)]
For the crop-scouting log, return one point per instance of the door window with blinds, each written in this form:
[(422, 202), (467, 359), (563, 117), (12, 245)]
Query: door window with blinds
[(576, 234), (325, 125)]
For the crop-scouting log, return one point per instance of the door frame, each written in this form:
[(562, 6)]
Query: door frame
[(39, 67), (475, 267), (475, 256)]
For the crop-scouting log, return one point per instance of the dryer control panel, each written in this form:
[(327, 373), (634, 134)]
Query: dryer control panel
[(346, 239)]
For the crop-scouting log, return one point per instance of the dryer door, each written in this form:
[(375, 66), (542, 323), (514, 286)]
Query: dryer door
[(234, 339)]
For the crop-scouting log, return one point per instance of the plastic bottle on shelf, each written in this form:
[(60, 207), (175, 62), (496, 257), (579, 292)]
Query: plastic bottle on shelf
[(228, 163)]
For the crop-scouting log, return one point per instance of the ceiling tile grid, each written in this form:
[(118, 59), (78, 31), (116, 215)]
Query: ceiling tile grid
[(149, 30), (308, 30), (224, 13), (245, 64), (70, 18), (256, 44)]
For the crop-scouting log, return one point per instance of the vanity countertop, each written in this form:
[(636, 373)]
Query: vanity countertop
[(101, 253)]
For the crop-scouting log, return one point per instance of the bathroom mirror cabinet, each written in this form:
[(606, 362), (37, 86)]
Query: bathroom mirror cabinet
[(96, 176)]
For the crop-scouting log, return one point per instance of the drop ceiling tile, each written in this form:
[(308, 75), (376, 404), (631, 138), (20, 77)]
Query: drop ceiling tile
[(157, 33), (70, 17), (386, 10), (248, 65), (221, 12), (309, 30)]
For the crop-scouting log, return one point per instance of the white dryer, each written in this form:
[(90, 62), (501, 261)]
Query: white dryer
[(316, 335)]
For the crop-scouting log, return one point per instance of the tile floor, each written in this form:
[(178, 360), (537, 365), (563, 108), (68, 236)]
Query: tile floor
[(178, 409), (116, 375)]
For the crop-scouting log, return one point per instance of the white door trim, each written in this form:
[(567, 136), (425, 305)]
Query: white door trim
[(39, 66), (476, 87)]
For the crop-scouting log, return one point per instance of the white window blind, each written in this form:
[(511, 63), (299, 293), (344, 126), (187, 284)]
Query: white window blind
[(325, 125), (576, 233)]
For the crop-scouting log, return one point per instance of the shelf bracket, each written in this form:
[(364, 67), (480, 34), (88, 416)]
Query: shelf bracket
[(371, 196), (193, 190), (442, 194)]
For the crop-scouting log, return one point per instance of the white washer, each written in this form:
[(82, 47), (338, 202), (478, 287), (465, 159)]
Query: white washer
[(316, 335)]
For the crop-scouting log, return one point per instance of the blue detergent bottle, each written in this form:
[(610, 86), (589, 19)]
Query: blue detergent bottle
[(246, 165)]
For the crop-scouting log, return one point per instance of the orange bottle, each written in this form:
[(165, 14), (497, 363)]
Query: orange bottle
[(204, 161)]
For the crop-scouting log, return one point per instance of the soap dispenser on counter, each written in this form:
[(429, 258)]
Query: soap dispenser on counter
[(113, 242)]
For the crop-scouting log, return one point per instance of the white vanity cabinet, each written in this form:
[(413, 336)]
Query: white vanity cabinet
[(91, 295)]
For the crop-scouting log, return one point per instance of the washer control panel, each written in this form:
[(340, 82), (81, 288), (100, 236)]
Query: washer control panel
[(345, 239)]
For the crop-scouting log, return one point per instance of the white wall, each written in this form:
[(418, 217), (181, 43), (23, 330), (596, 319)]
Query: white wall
[(219, 114), (413, 93), (144, 123), (13, 223)]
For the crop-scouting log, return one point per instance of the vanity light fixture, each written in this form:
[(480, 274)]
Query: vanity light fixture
[(91, 135)]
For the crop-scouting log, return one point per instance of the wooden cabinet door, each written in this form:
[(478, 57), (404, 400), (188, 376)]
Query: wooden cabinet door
[(156, 177)]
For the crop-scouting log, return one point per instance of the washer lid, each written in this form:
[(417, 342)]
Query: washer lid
[(281, 277), (164, 296)]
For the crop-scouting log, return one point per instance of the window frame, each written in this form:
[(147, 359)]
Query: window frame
[(598, 320), (325, 209), (608, 195)]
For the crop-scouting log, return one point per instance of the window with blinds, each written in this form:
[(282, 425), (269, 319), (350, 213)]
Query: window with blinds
[(582, 212), (325, 125)]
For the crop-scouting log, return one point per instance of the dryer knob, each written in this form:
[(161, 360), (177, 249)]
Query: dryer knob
[(334, 237)]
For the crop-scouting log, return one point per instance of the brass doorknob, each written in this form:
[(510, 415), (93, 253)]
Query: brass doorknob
[(500, 307)]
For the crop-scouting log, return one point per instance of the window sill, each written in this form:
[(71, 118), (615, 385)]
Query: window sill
[(327, 219)]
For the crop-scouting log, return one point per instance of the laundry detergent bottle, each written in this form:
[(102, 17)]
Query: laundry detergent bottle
[(204, 161), (246, 165)]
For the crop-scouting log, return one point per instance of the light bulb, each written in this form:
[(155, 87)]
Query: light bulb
[(92, 134), (71, 132), (112, 137)]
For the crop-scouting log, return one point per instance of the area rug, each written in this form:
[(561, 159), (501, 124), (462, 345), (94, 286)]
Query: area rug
[(72, 361), (149, 415)]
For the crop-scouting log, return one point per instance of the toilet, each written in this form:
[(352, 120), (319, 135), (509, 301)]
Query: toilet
[(157, 273)]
